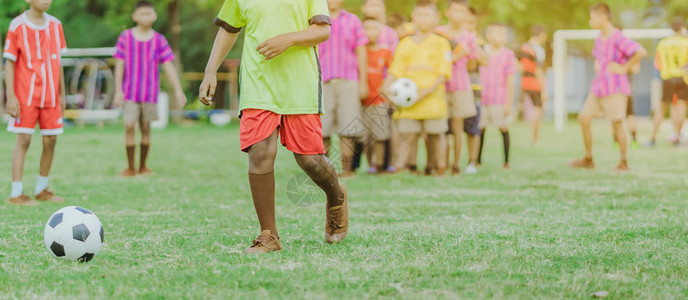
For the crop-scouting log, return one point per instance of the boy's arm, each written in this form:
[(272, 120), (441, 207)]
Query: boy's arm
[(173, 78), (12, 101), (362, 56), (309, 37), (426, 92), (119, 77), (224, 41), (627, 67)]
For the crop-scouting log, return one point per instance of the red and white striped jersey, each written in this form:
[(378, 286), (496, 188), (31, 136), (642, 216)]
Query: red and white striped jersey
[(36, 51)]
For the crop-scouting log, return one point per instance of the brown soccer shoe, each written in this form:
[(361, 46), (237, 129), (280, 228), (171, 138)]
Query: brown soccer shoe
[(49, 196), (22, 200), (266, 242), (337, 223)]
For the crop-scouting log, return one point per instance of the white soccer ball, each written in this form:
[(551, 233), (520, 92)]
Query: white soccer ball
[(404, 92), (220, 119), (73, 233)]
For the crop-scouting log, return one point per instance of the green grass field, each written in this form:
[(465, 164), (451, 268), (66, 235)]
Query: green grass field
[(540, 230)]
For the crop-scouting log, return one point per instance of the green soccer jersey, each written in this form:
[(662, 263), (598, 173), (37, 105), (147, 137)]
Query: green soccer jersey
[(290, 83)]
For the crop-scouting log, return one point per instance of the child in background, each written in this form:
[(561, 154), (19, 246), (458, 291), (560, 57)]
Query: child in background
[(140, 50), (459, 91), (425, 58), (375, 113), (497, 78)]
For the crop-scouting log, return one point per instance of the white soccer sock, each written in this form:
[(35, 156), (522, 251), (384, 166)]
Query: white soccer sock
[(17, 189), (41, 184)]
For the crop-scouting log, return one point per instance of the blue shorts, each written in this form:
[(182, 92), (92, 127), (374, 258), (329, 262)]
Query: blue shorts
[(470, 125)]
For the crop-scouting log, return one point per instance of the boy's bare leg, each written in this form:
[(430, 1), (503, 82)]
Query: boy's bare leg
[(404, 150), (347, 146), (623, 144), (632, 127), (327, 142), (430, 153), (473, 145), (681, 107), (145, 146), (586, 126), (130, 142), (537, 121), (439, 146), (379, 155), (19, 155), (457, 129), (48, 154), (261, 177), (657, 120), (321, 170)]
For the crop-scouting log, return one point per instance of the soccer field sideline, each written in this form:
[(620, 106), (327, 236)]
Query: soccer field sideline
[(541, 230)]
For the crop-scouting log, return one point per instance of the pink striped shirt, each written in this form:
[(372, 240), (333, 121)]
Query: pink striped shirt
[(388, 38), (141, 82), (493, 77), (616, 48), (460, 80), (338, 55)]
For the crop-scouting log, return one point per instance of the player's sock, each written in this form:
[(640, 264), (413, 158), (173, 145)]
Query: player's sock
[(144, 155), (130, 156), (505, 138), (41, 184), (480, 149), (17, 189), (263, 192)]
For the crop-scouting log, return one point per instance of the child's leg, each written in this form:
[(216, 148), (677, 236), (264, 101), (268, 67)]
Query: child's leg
[(321, 170), (261, 178), (347, 146), (620, 137), (379, 155), (457, 129), (404, 150), (439, 146), (473, 142), (480, 145), (430, 152), (506, 143), (47, 156), (145, 145), (18, 157), (537, 120), (130, 141)]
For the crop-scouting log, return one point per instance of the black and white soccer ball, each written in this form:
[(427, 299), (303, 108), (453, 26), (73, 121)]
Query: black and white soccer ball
[(73, 233), (404, 92)]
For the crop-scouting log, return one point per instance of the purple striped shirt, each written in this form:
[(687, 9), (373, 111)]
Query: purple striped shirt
[(388, 38), (616, 48), (338, 55), (141, 82), (460, 80), (493, 77)]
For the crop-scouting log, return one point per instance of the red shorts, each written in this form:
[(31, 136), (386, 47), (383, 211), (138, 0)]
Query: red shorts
[(49, 120), (301, 134)]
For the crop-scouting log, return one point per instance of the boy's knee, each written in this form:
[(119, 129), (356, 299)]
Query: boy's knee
[(24, 140), (584, 119), (130, 127)]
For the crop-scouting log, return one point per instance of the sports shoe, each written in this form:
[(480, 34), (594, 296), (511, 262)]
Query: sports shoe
[(337, 220), (585, 163), (49, 196), (128, 173), (22, 200), (623, 166), (372, 170), (391, 170), (266, 242), (650, 144), (471, 169)]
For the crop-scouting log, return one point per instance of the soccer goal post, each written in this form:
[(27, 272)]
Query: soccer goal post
[(560, 62)]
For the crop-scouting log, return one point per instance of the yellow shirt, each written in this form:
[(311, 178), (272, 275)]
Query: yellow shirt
[(424, 63), (672, 56)]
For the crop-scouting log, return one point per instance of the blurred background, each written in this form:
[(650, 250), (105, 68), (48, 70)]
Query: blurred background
[(189, 29)]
